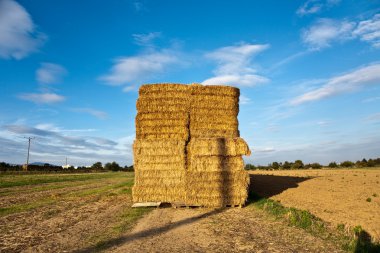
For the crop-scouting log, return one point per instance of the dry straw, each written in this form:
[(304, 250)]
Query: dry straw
[(186, 146)]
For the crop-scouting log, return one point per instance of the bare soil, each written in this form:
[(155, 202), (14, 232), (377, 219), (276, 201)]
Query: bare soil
[(342, 196), (221, 230)]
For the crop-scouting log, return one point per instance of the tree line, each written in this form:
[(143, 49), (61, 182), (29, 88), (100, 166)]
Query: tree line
[(298, 164), (96, 167)]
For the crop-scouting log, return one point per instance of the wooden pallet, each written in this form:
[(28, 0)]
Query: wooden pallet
[(147, 204)]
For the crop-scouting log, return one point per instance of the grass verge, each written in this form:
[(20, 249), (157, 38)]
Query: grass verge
[(352, 240)]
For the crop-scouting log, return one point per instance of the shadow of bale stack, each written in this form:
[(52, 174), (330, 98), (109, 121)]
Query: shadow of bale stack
[(187, 146)]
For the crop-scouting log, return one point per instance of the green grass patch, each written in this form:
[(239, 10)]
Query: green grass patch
[(24, 180), (26, 207)]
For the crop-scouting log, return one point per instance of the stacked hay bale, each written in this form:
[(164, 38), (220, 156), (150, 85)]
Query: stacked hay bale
[(187, 146), (215, 170), (160, 147)]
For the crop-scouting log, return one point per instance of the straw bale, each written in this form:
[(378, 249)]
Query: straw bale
[(162, 123), (212, 126), (176, 174), (215, 202), (186, 95), (160, 166), (162, 160), (163, 136), (200, 98), (199, 119), (221, 105), (230, 177), (158, 143), (151, 108), (162, 130), (214, 111), (220, 90), (163, 87), (214, 133), (215, 163), (218, 147), (161, 116), (151, 105), (168, 151)]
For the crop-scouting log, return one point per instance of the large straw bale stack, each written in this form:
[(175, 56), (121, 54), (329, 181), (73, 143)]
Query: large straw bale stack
[(187, 146)]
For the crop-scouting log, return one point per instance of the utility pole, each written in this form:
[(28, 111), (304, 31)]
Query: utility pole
[(27, 158)]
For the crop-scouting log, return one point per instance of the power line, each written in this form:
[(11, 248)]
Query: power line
[(27, 158)]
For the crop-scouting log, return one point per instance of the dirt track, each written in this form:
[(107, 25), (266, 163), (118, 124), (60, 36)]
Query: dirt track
[(224, 230)]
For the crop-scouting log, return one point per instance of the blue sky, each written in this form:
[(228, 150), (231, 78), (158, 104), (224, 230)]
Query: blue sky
[(309, 74)]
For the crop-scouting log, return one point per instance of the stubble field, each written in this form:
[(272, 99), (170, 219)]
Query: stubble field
[(92, 213), (342, 197)]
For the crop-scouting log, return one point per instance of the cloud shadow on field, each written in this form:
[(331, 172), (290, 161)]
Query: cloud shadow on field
[(269, 185)]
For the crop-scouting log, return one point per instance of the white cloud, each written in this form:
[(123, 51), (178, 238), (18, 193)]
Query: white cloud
[(244, 100), (242, 80), (369, 31), (315, 6), (146, 39), (18, 34), (342, 84), (98, 114), (309, 7), (234, 65), (42, 98), (325, 31), (135, 69), (50, 73)]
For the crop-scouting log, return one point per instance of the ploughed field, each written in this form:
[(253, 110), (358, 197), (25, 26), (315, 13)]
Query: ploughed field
[(92, 212), (349, 197)]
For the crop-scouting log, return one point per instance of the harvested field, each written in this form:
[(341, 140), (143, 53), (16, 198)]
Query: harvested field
[(91, 213), (63, 212), (343, 196)]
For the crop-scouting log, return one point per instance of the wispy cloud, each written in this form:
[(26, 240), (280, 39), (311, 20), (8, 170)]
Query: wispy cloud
[(315, 6), (50, 73), (42, 98), (135, 69), (244, 100), (348, 82), (97, 113), (370, 100), (373, 117), (146, 39), (234, 65), (53, 144), (325, 31), (19, 36), (369, 31)]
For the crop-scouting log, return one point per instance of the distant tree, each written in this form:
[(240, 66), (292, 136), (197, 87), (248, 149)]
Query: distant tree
[(315, 166), (371, 163), (275, 165), (298, 164), (286, 165), (112, 166), (97, 166), (333, 165), (249, 166), (128, 168), (347, 164)]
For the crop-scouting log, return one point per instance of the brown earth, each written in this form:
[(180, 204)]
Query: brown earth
[(342, 196), (88, 216), (219, 230)]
